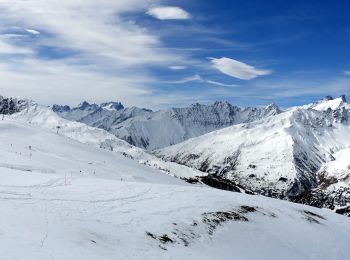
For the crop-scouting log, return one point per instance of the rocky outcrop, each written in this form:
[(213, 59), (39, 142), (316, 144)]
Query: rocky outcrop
[(10, 105)]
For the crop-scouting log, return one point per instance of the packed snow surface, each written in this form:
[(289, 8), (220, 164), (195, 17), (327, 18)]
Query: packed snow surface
[(62, 199)]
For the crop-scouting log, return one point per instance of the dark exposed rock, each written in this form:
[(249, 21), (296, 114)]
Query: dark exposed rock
[(9, 106), (323, 198), (218, 182), (60, 109), (215, 219), (344, 211)]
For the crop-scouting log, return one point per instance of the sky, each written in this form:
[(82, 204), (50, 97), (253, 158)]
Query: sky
[(162, 53)]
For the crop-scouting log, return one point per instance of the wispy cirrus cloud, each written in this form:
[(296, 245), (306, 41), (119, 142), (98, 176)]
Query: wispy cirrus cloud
[(91, 50), (76, 49), (168, 13), (194, 78), (237, 69), (199, 79), (220, 84)]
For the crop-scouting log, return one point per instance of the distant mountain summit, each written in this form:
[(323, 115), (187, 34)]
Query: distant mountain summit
[(330, 103), (114, 106), (60, 109), (84, 109), (157, 129)]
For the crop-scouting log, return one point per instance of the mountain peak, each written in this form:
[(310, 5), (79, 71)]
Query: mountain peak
[(271, 106), (343, 98), (272, 109), (331, 103), (327, 98), (86, 105), (59, 108), (112, 105), (222, 104)]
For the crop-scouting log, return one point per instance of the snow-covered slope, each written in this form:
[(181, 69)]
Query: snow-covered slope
[(277, 156), (61, 199), (150, 130), (330, 103), (26, 148), (45, 118)]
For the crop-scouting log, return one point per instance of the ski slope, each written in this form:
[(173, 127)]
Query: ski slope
[(45, 118), (26, 148), (61, 199)]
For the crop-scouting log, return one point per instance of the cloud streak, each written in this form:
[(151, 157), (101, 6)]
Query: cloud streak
[(32, 31), (178, 67), (237, 69), (199, 79)]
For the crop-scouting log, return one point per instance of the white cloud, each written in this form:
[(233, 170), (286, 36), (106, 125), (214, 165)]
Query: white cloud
[(194, 78), (169, 13), (217, 83), (178, 67), (346, 72), (199, 79), (95, 28), (32, 31), (112, 56), (237, 69), (70, 84)]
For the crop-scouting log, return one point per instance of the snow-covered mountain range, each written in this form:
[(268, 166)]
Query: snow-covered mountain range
[(71, 191), (280, 156), (150, 130), (266, 151), (69, 199)]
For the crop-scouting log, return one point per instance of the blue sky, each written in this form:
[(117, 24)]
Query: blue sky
[(155, 53)]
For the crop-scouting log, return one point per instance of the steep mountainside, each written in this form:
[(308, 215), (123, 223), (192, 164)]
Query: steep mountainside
[(61, 199), (151, 130), (333, 190), (277, 156)]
